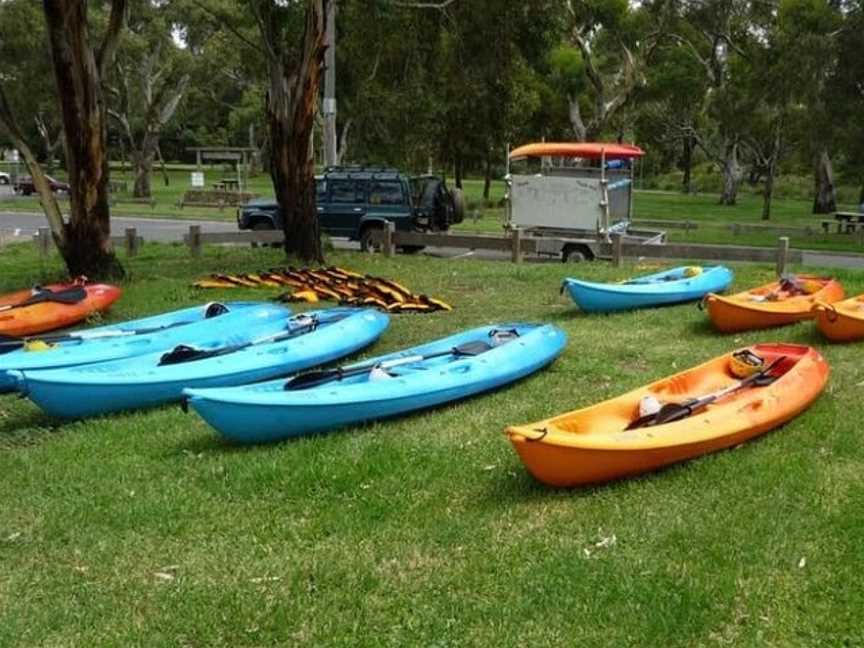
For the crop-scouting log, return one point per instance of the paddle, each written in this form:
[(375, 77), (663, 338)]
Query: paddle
[(9, 343), (185, 353), (671, 412), (72, 295), (322, 376)]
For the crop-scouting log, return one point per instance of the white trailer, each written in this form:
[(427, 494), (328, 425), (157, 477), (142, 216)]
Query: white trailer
[(579, 193)]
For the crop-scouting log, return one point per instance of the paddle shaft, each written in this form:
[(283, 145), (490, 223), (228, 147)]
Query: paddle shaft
[(313, 379)]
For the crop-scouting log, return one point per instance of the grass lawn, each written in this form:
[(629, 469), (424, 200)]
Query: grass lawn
[(146, 529)]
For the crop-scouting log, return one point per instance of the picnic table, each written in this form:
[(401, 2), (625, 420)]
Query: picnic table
[(847, 222), (227, 184)]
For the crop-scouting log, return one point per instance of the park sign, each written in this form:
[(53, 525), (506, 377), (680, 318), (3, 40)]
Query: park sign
[(197, 179)]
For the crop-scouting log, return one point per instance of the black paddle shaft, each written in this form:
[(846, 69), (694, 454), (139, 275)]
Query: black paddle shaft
[(315, 378), (672, 412)]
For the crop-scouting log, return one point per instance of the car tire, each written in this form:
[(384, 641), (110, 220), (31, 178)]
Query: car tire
[(366, 243), (26, 192), (4, 181), (458, 198), (576, 254)]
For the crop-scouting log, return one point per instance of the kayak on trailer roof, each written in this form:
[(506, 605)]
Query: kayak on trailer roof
[(288, 346), (681, 284), (786, 301), (439, 372), (198, 324), (716, 405), (46, 308), (841, 321)]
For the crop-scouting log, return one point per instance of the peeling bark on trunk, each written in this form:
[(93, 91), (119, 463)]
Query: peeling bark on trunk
[(78, 70), (731, 175), (825, 201), (576, 123), (291, 107)]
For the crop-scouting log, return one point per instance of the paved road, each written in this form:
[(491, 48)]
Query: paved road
[(166, 230), (151, 229)]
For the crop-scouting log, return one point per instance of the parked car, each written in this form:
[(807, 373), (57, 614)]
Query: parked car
[(353, 202), (5, 178), (24, 185)]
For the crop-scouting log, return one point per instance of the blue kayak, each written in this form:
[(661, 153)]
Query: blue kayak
[(668, 287), (432, 374), (303, 341), (198, 324)]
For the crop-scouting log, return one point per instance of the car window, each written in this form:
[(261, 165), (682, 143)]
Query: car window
[(386, 192), (346, 191)]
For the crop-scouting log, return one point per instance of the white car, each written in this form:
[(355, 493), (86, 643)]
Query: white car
[(5, 178)]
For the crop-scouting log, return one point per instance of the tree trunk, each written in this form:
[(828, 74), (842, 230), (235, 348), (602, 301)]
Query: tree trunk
[(576, 122), (825, 201), (687, 165), (86, 246), (731, 175), (487, 178), (771, 171), (291, 108), (457, 171), (142, 167)]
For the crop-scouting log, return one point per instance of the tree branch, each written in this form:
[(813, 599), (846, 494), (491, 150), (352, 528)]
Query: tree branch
[(105, 55)]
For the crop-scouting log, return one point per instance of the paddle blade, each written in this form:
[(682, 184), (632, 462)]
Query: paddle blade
[(472, 348)]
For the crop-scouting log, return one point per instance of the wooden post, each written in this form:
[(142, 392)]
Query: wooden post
[(195, 240), (617, 250), (131, 242), (43, 240), (782, 255), (389, 231), (516, 245)]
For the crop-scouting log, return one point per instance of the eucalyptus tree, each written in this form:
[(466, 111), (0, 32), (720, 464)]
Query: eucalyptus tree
[(80, 64), (150, 78)]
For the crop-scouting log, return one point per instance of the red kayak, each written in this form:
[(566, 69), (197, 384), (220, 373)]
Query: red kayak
[(45, 308), (585, 150)]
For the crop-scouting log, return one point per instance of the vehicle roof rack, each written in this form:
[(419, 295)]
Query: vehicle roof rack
[(360, 169)]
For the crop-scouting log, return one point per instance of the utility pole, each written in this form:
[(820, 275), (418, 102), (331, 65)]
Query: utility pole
[(330, 142)]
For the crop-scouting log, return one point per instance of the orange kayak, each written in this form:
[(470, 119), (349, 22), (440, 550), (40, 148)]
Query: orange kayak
[(592, 445), (775, 304), (842, 321), (48, 315)]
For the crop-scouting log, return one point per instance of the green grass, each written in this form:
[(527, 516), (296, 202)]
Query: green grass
[(146, 529)]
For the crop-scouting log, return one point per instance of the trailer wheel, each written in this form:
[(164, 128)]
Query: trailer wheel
[(576, 254)]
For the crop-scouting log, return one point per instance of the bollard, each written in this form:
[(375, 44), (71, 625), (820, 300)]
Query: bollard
[(195, 240), (131, 242), (43, 240), (782, 255), (516, 245), (617, 250)]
